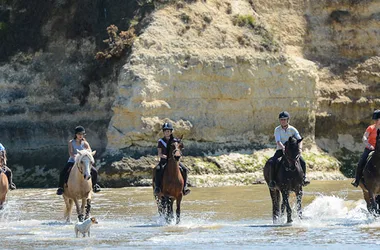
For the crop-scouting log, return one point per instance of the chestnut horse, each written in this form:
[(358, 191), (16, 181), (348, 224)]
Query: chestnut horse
[(79, 185), (172, 183), (288, 178), (370, 183), (3, 180)]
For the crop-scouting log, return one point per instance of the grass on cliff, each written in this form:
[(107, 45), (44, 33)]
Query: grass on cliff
[(251, 163)]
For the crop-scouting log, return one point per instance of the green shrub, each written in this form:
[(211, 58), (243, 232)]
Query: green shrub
[(117, 43), (244, 20)]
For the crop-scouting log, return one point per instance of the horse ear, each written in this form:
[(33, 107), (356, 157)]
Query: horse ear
[(299, 140), (79, 152), (181, 137), (93, 152)]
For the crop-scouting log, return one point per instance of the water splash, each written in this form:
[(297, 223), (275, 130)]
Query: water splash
[(336, 211)]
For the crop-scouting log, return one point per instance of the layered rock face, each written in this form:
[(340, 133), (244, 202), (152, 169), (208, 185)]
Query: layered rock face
[(221, 71), (50, 82), (218, 92)]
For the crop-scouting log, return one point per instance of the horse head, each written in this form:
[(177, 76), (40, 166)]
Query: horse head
[(84, 160), (176, 147), (292, 151)]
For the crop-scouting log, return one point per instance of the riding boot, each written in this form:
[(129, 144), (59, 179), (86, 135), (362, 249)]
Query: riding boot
[(305, 180), (63, 177), (184, 171), (157, 179), (358, 175), (94, 177), (272, 182), (8, 173)]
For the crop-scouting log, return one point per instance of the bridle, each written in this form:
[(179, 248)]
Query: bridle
[(175, 151), (292, 162), (78, 163)]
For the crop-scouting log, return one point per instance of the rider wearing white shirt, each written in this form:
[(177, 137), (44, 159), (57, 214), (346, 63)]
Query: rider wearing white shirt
[(281, 135)]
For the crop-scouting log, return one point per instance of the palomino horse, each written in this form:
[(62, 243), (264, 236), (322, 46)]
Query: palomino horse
[(370, 183), (288, 178), (3, 180), (172, 183), (79, 185)]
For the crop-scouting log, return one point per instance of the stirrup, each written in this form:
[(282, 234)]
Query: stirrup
[(186, 191), (12, 186), (59, 191), (96, 188), (355, 183)]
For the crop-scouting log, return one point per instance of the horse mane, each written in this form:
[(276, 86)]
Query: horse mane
[(377, 145), (83, 153)]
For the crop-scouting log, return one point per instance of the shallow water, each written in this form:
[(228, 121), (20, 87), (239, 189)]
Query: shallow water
[(335, 217)]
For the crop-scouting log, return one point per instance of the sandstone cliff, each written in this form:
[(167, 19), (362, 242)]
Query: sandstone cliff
[(221, 71)]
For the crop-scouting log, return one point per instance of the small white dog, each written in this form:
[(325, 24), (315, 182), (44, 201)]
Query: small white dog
[(84, 227)]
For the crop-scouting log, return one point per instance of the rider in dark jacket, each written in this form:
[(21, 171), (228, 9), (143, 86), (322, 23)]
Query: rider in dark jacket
[(162, 149)]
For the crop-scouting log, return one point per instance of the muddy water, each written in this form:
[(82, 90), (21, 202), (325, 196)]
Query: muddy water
[(212, 218)]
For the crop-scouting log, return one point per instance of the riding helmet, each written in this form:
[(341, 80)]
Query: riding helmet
[(376, 114), (79, 129), (167, 126), (283, 115)]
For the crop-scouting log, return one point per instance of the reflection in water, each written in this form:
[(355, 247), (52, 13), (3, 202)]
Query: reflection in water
[(212, 218)]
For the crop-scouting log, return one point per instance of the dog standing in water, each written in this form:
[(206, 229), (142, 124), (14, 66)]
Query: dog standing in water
[(84, 227)]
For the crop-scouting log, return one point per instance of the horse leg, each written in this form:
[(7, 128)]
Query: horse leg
[(178, 210), (372, 203), (88, 209), (367, 200), (285, 200), (68, 209), (161, 206), (299, 194), (168, 211), (79, 212), (275, 195), (2, 200)]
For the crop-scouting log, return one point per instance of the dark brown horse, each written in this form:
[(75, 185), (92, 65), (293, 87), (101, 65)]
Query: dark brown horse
[(288, 179), (370, 183), (172, 183)]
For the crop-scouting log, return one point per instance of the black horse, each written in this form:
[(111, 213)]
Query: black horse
[(370, 183), (288, 178)]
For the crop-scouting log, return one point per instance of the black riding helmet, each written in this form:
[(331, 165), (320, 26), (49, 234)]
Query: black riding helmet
[(376, 114), (283, 115), (79, 129), (167, 126)]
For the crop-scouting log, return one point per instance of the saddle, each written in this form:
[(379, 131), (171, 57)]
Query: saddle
[(67, 174)]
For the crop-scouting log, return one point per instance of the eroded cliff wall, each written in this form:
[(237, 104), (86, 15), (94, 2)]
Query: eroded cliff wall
[(221, 71)]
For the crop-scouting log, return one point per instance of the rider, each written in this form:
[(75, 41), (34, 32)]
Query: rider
[(167, 128), (369, 139), (7, 170), (282, 134), (78, 143)]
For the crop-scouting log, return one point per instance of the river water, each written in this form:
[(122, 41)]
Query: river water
[(212, 218)]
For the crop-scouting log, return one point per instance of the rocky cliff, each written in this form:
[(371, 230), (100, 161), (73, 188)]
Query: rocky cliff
[(221, 71)]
